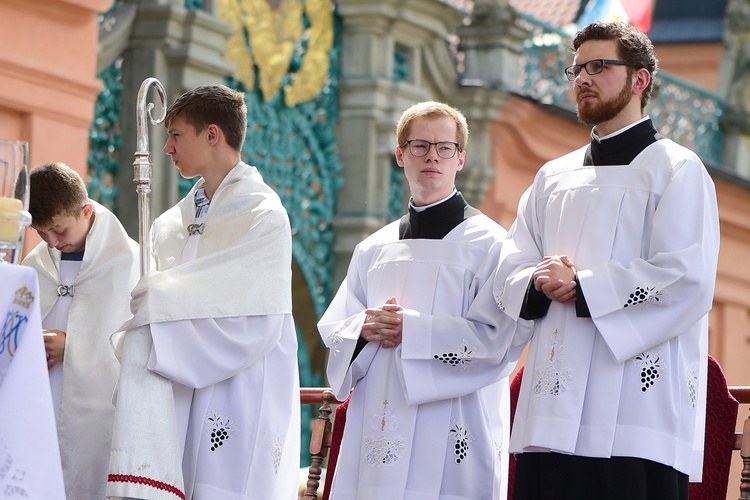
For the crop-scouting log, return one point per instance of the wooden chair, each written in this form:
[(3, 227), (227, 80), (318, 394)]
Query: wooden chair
[(337, 434), (742, 441), (515, 388), (320, 437), (721, 420)]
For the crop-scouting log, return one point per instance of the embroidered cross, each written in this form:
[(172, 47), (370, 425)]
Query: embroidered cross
[(554, 344), (65, 291), (499, 300), (385, 410)]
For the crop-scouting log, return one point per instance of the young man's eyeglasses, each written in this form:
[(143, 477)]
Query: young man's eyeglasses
[(445, 149), (592, 67)]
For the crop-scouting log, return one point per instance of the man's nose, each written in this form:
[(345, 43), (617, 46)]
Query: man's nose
[(432, 151), (583, 79)]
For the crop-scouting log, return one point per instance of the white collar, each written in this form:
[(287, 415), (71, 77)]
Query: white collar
[(422, 209), (618, 132)]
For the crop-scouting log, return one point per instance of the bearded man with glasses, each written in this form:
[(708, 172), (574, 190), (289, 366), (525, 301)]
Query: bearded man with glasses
[(415, 334), (613, 255)]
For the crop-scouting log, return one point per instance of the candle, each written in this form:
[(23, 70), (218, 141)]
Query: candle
[(10, 219)]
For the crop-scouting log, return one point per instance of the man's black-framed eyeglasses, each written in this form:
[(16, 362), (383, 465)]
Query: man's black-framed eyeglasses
[(420, 147), (592, 67)]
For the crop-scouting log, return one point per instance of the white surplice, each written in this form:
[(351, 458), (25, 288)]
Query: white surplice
[(630, 380), (429, 418), (89, 300), (218, 310)]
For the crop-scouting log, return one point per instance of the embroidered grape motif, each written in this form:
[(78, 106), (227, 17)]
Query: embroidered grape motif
[(218, 437), (648, 376), (462, 438), (448, 358), (692, 383), (643, 294), (691, 388), (650, 366), (461, 448), (638, 296), (221, 427), (463, 355)]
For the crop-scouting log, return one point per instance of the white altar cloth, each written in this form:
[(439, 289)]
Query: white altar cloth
[(30, 464)]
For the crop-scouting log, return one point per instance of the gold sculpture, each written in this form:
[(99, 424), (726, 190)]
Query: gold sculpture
[(272, 33)]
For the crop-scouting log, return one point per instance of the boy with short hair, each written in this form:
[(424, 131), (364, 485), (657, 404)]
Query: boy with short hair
[(87, 266), (215, 321)]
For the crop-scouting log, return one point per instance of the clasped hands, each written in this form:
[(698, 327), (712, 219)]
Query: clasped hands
[(383, 324), (555, 277)]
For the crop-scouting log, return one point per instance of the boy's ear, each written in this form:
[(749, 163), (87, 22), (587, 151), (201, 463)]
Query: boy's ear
[(88, 209), (213, 134)]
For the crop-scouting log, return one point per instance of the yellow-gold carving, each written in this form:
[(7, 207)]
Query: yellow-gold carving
[(229, 11), (312, 74), (273, 31)]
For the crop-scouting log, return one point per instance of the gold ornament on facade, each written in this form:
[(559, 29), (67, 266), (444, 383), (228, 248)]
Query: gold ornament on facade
[(229, 11), (273, 35), (312, 74), (274, 28)]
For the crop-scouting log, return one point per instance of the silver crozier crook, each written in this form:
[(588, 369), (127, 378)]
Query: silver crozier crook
[(143, 167)]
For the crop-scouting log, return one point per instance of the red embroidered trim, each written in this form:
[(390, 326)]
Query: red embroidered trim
[(128, 478)]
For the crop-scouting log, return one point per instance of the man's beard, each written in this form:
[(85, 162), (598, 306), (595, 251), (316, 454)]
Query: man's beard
[(593, 114)]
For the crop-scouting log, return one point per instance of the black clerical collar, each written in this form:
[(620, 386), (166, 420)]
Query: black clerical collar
[(622, 148), (437, 221), (72, 255)]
